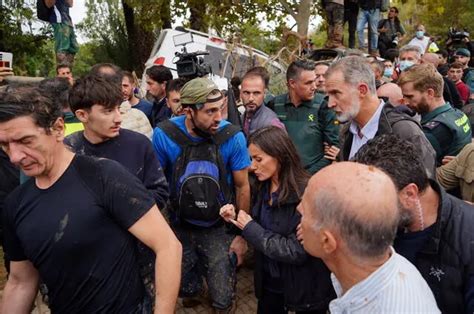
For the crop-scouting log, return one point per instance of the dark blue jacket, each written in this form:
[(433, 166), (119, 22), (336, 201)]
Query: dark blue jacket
[(447, 259), (306, 280)]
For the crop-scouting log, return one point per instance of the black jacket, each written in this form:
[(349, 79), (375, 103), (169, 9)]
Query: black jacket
[(394, 121), (370, 4), (446, 261), (306, 280)]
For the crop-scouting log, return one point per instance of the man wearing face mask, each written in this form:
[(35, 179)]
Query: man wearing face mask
[(420, 39), (388, 70), (431, 226), (448, 129)]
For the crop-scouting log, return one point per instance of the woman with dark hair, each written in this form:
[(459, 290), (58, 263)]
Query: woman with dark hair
[(286, 277), (391, 31)]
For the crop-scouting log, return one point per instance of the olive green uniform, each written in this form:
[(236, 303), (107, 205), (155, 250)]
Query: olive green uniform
[(309, 125), (448, 130)]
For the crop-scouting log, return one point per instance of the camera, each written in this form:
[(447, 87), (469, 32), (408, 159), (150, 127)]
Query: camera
[(190, 65), (395, 40), (457, 36)]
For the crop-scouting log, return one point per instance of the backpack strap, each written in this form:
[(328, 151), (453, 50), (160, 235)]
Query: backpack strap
[(175, 133), (227, 132)]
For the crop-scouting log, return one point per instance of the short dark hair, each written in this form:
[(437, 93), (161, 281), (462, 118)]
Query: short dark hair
[(159, 73), (175, 85), (94, 90), (379, 64), (259, 71), (296, 67), (28, 101), (400, 159), (392, 54), (443, 52), (62, 66), (276, 143), (456, 65), (129, 75), (57, 89), (100, 69)]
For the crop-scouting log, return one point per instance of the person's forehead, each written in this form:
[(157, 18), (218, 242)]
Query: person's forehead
[(174, 94), (306, 75), (213, 105), (253, 82), (321, 68), (409, 53), (18, 127)]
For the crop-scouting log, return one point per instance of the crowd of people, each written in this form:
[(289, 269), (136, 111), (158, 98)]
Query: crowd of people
[(353, 188)]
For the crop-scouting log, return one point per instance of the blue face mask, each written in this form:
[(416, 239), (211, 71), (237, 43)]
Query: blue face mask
[(388, 72), (405, 65), (420, 34)]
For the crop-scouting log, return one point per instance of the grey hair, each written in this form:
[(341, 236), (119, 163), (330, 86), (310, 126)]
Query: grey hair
[(408, 48), (355, 70), (364, 238)]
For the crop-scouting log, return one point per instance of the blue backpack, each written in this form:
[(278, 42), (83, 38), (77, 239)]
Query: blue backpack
[(199, 186)]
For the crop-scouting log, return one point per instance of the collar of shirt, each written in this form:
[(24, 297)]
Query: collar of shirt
[(432, 114), (308, 103), (367, 290), (370, 129)]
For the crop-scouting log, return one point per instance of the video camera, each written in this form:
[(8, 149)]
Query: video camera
[(457, 36), (189, 64)]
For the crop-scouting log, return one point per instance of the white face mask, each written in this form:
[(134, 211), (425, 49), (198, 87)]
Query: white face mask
[(405, 65)]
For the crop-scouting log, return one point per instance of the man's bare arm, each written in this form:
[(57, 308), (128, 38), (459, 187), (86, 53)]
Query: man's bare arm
[(21, 288), (154, 232), (242, 189)]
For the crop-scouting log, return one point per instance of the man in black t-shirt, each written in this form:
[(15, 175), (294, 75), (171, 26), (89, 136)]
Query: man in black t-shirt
[(73, 224), (96, 102)]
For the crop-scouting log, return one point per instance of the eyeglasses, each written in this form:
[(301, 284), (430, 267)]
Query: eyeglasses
[(393, 11)]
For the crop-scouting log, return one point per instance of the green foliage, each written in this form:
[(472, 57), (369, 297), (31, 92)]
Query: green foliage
[(32, 49), (437, 16)]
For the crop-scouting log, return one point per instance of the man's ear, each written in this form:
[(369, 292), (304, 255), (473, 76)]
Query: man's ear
[(363, 90), (408, 196), (58, 129), (82, 115), (328, 241)]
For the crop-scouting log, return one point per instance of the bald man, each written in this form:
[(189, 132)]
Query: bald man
[(353, 237), (450, 92), (393, 92)]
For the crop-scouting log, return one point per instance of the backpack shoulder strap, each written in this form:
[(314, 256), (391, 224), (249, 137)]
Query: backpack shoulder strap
[(175, 133), (227, 132)]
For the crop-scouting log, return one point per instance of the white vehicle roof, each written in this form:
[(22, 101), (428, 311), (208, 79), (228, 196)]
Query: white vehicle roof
[(226, 59)]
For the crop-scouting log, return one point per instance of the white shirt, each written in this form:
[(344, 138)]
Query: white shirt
[(422, 43), (361, 136), (395, 287)]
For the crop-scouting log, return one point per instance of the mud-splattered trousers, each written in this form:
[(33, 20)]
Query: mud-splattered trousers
[(206, 254)]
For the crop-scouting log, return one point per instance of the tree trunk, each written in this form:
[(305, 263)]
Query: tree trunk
[(140, 40), (302, 20), (165, 14), (198, 12)]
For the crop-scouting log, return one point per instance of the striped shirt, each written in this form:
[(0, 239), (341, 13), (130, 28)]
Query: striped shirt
[(396, 287)]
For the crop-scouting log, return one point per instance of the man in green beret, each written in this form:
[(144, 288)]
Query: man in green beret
[(206, 163)]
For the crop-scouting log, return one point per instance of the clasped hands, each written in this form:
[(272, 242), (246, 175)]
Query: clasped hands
[(240, 220)]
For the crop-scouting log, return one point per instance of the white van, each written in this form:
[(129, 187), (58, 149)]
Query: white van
[(225, 59)]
